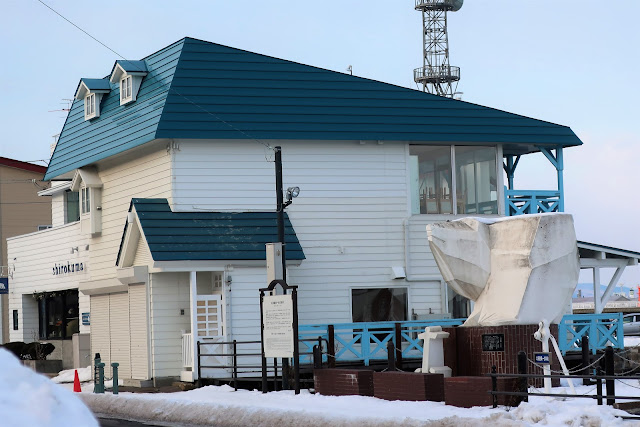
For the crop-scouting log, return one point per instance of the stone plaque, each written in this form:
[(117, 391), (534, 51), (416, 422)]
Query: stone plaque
[(492, 342)]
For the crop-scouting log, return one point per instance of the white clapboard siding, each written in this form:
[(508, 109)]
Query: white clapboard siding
[(145, 175), (138, 331), (143, 254), (120, 339), (169, 293), (100, 329), (33, 272), (57, 209), (349, 216)]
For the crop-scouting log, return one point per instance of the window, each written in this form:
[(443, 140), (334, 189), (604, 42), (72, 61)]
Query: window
[(434, 189), (379, 304), (15, 320), (126, 89), (71, 206), (86, 202), (44, 227), (90, 106), (58, 314)]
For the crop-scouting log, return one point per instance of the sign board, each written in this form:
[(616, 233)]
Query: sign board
[(86, 319), (542, 358), (4, 285), (277, 312), (492, 342)]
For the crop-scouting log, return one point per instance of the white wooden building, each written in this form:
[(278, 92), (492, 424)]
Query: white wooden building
[(190, 129)]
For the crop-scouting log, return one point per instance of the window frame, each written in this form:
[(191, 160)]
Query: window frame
[(44, 300), (85, 201), (90, 110), (126, 89), (454, 184)]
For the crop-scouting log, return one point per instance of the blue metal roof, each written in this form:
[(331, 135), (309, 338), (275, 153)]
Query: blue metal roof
[(131, 66), (195, 236), (201, 90), (96, 84)]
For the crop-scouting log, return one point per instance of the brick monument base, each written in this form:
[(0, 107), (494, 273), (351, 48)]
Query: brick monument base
[(472, 351)]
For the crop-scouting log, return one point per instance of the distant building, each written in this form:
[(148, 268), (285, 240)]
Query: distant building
[(21, 212)]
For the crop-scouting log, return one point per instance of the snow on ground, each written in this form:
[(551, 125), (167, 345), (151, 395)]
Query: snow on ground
[(631, 341), (222, 406), (68, 376), (30, 399)]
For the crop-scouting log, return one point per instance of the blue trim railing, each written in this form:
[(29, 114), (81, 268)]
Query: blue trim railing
[(367, 341), (518, 202), (602, 329)]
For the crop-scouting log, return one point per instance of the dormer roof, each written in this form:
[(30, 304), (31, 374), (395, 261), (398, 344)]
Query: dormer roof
[(92, 86), (126, 67)]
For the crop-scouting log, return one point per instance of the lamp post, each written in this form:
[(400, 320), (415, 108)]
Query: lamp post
[(292, 192)]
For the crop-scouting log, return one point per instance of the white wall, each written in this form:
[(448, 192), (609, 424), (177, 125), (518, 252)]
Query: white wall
[(144, 174), (349, 215), (169, 293), (32, 258)]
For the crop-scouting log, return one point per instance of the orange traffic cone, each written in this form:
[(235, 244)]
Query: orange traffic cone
[(76, 383)]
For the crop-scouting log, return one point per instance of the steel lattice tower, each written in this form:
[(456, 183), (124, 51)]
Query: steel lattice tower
[(436, 75)]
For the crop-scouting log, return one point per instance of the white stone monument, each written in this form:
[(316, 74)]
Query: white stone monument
[(433, 351), (518, 270)]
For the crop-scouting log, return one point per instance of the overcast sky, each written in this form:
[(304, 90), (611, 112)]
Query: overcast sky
[(569, 62)]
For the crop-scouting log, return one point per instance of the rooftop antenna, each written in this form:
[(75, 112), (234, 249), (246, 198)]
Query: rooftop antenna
[(436, 75)]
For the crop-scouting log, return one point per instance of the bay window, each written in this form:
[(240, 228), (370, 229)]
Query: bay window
[(453, 179)]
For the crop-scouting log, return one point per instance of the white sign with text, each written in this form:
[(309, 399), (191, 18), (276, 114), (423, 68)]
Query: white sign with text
[(277, 312)]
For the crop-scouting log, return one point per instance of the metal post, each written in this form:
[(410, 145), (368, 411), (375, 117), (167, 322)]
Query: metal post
[(494, 386), (115, 365), (198, 359), (96, 376), (264, 359), (522, 369), (275, 374), (235, 365), (609, 371), (281, 239), (586, 359), (599, 389), (100, 378), (391, 356), (398, 345), (296, 349), (331, 344), (317, 357)]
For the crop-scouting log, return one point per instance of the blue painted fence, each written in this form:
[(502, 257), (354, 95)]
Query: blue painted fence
[(602, 330), (367, 341), (519, 202)]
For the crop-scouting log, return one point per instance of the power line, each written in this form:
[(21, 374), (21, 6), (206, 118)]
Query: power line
[(173, 89)]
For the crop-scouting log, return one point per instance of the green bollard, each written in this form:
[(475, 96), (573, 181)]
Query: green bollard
[(100, 386), (115, 365)]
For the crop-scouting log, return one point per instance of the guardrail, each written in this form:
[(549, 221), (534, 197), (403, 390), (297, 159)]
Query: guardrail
[(367, 341), (602, 330), (518, 202)]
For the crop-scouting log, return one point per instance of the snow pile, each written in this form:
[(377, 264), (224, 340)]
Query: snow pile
[(84, 375), (30, 399)]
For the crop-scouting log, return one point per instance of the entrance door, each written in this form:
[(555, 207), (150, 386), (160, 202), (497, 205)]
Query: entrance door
[(209, 316)]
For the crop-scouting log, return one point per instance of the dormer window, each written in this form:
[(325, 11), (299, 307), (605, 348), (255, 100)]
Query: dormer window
[(126, 92), (92, 91), (88, 185), (129, 75), (90, 106)]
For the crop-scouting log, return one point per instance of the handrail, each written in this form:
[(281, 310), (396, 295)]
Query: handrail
[(518, 202), (601, 329)]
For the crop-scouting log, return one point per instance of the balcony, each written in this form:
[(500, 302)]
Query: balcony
[(520, 202)]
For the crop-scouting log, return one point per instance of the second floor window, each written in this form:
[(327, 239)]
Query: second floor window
[(453, 180), (126, 89), (90, 106), (85, 201), (71, 206)]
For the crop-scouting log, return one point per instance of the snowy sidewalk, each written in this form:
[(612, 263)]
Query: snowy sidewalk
[(222, 406)]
